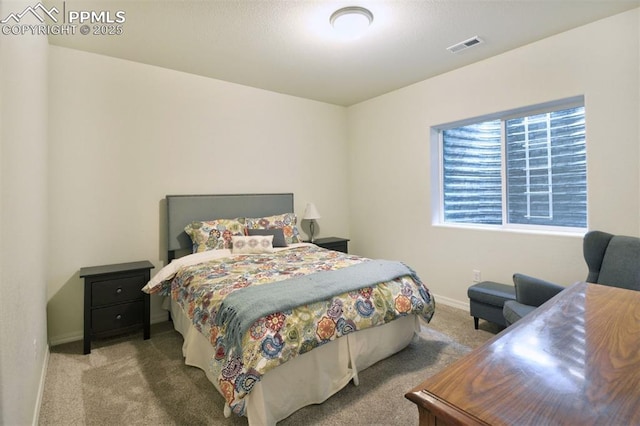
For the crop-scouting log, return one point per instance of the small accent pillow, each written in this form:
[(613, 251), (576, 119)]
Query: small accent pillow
[(214, 234), (278, 235), (252, 245), (286, 222)]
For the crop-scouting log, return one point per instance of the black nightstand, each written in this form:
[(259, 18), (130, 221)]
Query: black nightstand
[(114, 301), (333, 243)]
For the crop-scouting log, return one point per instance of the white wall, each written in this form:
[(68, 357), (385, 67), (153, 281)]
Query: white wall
[(390, 162), (23, 212), (123, 135)]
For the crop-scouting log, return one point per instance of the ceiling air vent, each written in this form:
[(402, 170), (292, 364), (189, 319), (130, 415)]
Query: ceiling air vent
[(473, 41)]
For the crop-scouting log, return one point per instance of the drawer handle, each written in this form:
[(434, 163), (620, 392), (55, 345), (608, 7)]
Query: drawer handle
[(118, 316), (119, 290)]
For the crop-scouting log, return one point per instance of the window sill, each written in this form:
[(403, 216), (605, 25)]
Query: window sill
[(573, 232)]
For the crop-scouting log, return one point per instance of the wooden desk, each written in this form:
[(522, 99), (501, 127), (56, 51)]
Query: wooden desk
[(575, 360)]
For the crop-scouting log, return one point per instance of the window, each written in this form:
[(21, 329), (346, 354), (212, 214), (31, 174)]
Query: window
[(516, 169)]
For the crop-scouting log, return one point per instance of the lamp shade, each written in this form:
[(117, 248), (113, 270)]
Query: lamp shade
[(311, 212)]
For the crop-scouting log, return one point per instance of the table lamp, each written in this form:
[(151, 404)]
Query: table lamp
[(311, 214)]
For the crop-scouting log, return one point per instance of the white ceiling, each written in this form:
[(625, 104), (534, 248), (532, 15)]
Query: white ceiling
[(288, 46)]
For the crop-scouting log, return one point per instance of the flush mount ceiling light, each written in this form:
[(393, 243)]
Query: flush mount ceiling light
[(351, 22)]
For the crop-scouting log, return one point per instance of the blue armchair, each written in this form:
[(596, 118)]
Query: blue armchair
[(612, 260)]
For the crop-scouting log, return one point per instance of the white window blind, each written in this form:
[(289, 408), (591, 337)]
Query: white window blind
[(542, 158)]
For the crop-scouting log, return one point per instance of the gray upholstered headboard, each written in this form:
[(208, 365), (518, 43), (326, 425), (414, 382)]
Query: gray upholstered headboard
[(184, 209)]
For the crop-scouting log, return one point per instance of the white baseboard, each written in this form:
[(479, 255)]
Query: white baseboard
[(451, 302), (43, 377), (163, 316), (66, 338), (79, 335)]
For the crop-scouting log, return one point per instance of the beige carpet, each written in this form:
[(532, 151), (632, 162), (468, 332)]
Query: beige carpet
[(127, 380)]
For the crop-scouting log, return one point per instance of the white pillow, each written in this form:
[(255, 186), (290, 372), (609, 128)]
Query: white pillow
[(254, 244)]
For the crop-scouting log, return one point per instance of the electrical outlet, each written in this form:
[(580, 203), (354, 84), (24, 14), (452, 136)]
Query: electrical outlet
[(476, 276)]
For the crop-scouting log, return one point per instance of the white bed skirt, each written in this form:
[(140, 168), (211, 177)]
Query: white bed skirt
[(310, 378)]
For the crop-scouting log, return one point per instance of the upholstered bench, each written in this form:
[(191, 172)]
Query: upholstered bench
[(486, 299)]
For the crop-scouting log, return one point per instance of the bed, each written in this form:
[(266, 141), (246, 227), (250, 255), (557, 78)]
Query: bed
[(277, 325)]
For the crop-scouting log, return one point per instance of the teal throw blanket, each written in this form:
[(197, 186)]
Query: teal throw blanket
[(243, 307)]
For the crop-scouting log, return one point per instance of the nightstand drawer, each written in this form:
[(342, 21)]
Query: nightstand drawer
[(341, 246), (333, 243), (117, 290), (117, 317)]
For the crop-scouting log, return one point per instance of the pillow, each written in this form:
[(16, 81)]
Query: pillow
[(285, 221), (214, 234), (252, 245), (278, 235)]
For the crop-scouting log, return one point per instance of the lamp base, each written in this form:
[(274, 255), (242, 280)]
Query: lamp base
[(312, 228)]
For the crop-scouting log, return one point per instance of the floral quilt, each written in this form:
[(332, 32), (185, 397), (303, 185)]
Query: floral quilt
[(280, 336)]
